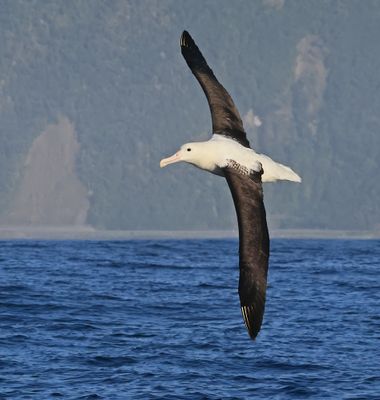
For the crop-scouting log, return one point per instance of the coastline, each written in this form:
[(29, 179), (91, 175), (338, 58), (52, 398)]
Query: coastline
[(90, 233)]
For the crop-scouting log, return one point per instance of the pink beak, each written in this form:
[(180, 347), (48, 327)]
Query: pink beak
[(170, 160)]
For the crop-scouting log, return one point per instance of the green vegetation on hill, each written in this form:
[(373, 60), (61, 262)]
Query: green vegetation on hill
[(308, 70)]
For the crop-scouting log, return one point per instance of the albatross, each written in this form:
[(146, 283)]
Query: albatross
[(228, 154)]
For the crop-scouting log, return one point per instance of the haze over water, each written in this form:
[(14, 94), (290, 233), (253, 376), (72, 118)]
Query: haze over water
[(161, 319)]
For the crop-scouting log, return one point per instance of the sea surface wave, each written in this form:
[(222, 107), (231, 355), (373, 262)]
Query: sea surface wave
[(160, 319)]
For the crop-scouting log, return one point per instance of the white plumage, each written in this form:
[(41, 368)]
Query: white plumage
[(213, 155)]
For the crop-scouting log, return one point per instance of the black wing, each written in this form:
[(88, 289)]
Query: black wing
[(225, 116), (253, 245)]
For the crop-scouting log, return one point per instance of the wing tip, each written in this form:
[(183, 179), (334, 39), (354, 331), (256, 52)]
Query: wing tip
[(186, 39), (252, 323), (182, 40)]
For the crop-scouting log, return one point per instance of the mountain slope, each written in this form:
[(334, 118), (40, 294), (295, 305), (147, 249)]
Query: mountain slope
[(304, 76)]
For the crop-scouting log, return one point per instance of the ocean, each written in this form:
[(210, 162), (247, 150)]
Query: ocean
[(160, 319)]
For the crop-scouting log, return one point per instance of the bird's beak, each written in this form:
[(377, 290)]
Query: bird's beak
[(170, 160)]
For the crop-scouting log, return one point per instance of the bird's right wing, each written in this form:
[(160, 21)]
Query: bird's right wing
[(247, 194), (226, 120)]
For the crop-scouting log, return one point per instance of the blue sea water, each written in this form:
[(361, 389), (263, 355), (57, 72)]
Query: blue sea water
[(161, 320)]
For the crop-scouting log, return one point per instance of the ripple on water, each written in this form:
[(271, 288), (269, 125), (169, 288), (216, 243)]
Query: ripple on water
[(161, 320)]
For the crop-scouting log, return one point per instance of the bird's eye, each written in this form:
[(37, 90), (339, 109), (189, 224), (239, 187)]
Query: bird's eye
[(189, 149)]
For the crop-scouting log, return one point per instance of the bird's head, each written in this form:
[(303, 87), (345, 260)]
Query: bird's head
[(193, 153)]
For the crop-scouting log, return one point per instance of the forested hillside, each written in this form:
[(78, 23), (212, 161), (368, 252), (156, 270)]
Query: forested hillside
[(304, 75)]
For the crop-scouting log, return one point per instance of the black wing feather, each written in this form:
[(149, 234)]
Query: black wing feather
[(247, 194), (225, 116)]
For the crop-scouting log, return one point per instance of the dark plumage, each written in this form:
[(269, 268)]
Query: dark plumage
[(247, 194), (228, 154), (226, 120), (246, 189)]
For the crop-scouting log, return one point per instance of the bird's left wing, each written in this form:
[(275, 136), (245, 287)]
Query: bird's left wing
[(246, 189), (226, 120)]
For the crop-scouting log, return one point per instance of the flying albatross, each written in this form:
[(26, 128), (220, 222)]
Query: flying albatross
[(229, 154)]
